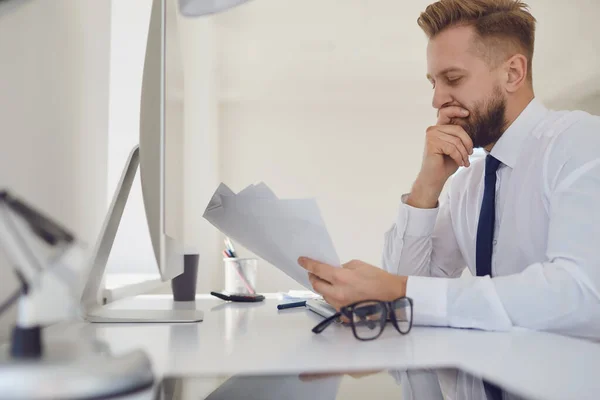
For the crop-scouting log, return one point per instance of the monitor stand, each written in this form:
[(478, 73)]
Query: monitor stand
[(93, 299)]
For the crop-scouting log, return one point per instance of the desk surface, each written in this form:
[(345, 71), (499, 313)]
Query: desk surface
[(257, 338)]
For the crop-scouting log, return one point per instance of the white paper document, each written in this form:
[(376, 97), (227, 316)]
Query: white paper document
[(277, 230)]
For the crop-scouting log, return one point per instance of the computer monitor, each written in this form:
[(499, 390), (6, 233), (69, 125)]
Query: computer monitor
[(160, 156), (161, 142)]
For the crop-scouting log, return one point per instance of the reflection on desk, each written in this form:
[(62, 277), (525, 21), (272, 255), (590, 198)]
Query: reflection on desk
[(406, 385), (246, 338)]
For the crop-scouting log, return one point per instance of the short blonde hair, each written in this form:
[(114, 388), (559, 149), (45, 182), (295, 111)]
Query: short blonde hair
[(504, 26)]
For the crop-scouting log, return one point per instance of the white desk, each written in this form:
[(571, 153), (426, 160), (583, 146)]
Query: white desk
[(257, 338)]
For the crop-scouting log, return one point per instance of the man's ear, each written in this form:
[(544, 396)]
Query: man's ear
[(516, 72)]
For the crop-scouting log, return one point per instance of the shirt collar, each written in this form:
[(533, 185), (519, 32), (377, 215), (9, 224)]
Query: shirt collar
[(507, 148)]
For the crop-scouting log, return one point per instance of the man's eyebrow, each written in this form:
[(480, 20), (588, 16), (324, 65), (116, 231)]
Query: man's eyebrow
[(446, 71)]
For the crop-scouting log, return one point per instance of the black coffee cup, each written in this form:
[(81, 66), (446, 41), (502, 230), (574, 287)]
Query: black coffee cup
[(184, 285)]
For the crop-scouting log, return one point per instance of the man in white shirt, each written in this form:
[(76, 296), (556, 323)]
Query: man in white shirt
[(524, 220)]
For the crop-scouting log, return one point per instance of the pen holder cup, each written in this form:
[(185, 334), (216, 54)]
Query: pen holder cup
[(240, 275)]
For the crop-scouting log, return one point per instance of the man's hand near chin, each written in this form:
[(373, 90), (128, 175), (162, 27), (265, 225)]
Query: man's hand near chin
[(355, 281), (447, 147)]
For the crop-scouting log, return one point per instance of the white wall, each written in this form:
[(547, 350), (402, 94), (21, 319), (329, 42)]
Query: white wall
[(54, 113)]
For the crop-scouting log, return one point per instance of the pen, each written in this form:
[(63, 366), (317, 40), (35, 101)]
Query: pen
[(230, 247), (291, 305), (240, 274)]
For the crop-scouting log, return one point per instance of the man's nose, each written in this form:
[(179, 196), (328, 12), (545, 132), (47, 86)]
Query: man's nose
[(440, 97)]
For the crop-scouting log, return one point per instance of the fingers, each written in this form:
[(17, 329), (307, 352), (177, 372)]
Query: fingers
[(456, 150), (333, 295), (446, 114), (322, 277), (321, 286), (450, 140), (323, 271), (459, 132), (354, 264)]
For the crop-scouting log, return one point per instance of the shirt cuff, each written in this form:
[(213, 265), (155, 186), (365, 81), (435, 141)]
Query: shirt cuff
[(430, 300), (417, 221)]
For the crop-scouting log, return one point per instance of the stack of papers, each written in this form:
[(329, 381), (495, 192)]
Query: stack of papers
[(277, 230), (298, 295)]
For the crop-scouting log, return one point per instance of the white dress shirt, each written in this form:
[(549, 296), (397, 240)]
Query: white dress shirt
[(546, 248)]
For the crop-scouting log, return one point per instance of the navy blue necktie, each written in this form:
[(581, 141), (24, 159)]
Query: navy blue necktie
[(485, 241), (485, 229)]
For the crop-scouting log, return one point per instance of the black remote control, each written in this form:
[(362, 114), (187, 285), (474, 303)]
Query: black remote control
[(239, 297)]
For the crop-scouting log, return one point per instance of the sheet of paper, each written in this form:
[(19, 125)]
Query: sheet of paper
[(277, 230), (260, 190)]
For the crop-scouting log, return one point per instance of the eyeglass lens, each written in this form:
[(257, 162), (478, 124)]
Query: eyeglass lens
[(368, 319)]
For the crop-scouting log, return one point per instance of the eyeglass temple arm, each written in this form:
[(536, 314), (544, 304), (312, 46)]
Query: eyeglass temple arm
[(325, 323)]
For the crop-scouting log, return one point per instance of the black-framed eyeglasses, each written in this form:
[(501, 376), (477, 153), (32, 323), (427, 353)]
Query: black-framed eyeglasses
[(369, 317)]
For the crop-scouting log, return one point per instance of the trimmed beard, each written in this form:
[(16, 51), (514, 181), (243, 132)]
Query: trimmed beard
[(486, 121)]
